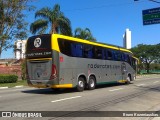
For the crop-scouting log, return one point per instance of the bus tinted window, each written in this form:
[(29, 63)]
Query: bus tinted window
[(122, 56), (109, 54), (127, 58), (65, 46), (118, 55), (88, 51), (98, 52), (76, 49)]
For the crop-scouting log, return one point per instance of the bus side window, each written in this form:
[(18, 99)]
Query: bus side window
[(127, 59), (113, 55), (76, 49), (73, 49), (98, 53), (103, 54), (65, 47), (79, 50), (87, 51), (118, 56), (122, 57), (109, 54)]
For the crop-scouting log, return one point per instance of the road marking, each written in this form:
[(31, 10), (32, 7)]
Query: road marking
[(156, 82), (140, 85), (116, 89), (66, 99)]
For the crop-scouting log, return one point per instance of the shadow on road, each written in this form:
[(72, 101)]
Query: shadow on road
[(49, 91), (63, 91)]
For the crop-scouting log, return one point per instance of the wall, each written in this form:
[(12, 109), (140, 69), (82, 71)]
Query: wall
[(16, 70)]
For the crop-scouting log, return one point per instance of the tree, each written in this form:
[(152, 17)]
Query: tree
[(84, 34), (52, 18), (12, 23), (147, 54)]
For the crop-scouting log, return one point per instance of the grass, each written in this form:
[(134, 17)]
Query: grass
[(18, 83)]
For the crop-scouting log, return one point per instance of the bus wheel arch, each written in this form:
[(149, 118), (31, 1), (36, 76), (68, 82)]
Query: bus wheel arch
[(91, 82), (81, 83)]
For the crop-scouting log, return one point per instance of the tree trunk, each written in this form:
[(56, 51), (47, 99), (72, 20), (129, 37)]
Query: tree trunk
[(53, 29), (148, 67)]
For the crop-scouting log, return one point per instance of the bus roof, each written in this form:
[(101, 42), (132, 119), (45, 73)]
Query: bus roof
[(93, 43)]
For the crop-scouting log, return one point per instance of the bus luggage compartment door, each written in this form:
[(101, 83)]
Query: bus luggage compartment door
[(40, 70)]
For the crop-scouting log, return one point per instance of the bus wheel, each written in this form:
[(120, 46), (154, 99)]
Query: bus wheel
[(91, 83), (81, 84), (128, 80)]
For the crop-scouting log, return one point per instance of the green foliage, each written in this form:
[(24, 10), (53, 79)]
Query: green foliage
[(147, 54), (51, 18), (12, 23), (84, 34), (155, 66), (8, 78)]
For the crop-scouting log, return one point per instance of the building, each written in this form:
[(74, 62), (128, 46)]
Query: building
[(20, 49), (127, 39)]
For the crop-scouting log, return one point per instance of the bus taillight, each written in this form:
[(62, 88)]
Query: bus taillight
[(54, 72)]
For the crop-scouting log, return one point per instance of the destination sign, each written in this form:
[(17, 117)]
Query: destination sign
[(38, 54)]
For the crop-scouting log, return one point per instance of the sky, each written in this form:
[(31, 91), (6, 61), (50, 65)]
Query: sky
[(107, 19)]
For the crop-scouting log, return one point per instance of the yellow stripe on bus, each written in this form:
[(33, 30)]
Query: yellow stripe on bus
[(53, 86), (54, 42), (56, 47), (136, 59), (62, 86), (122, 81)]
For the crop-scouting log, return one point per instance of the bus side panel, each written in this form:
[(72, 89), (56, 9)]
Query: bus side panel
[(71, 68), (65, 69)]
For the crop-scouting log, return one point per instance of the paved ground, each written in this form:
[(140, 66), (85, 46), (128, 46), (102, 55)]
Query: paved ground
[(143, 95)]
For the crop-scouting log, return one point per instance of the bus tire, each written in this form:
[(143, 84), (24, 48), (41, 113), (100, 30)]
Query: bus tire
[(81, 84), (91, 83), (128, 80)]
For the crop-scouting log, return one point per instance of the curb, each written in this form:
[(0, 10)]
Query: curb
[(140, 75), (3, 87), (20, 86)]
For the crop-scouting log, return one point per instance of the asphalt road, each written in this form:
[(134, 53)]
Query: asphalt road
[(142, 95)]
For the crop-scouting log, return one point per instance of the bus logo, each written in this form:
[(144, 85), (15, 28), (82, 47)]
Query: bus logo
[(37, 42)]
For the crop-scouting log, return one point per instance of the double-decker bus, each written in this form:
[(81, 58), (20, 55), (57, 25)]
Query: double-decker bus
[(58, 61)]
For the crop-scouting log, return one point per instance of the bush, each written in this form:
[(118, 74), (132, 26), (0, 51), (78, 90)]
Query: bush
[(8, 78)]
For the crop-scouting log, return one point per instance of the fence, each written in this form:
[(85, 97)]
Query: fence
[(150, 71)]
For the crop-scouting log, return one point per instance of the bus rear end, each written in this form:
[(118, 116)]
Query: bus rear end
[(41, 62)]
